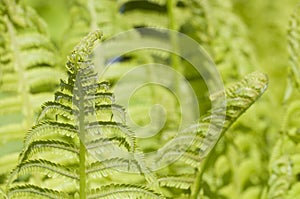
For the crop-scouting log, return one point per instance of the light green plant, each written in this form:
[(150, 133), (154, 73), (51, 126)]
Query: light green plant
[(258, 157), (28, 60), (65, 126), (284, 162)]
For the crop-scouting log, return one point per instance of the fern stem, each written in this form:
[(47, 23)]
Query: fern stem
[(200, 172), (82, 149), (82, 171), (175, 60), (171, 14)]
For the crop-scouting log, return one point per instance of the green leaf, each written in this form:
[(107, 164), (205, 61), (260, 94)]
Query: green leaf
[(179, 182), (116, 191), (50, 129), (112, 165), (46, 167), (51, 146), (31, 192)]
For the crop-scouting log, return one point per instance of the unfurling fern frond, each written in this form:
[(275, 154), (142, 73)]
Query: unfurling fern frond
[(239, 98), (80, 124), (195, 143), (28, 73)]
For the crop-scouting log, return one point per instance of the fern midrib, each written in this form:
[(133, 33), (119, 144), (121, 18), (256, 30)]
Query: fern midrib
[(82, 149), (23, 88)]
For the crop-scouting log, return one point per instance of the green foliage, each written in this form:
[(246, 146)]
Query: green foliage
[(59, 132), (28, 60), (284, 161), (258, 157), (66, 127), (214, 25)]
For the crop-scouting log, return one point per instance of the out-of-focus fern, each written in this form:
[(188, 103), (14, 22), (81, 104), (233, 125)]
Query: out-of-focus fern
[(284, 166), (232, 50), (294, 48), (216, 26), (27, 77), (61, 150), (226, 40)]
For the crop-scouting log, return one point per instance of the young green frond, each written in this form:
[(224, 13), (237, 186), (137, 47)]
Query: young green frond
[(80, 124), (200, 139)]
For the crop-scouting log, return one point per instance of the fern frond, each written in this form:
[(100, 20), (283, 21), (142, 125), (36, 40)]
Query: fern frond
[(59, 109), (80, 123), (49, 129), (243, 94), (110, 130), (28, 48), (27, 65), (51, 146), (189, 157), (100, 144), (239, 98), (112, 165), (281, 179), (46, 167), (116, 191), (31, 192), (294, 46), (179, 182), (238, 51)]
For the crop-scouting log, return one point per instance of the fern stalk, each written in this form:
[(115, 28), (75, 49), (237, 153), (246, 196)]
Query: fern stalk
[(82, 149), (201, 171), (175, 60)]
